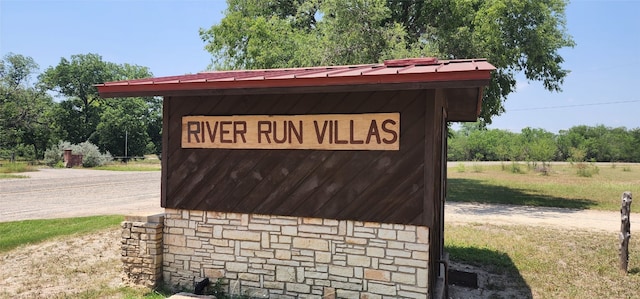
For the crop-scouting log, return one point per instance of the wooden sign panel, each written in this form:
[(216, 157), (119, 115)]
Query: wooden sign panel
[(374, 131)]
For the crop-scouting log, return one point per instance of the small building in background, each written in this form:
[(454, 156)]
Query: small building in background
[(71, 160)]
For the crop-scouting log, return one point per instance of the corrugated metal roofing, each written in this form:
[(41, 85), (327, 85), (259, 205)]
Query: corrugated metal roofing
[(415, 70)]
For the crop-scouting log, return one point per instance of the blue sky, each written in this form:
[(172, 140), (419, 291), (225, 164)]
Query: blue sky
[(163, 35)]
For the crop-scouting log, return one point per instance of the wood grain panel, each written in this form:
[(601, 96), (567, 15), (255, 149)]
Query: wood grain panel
[(385, 186)]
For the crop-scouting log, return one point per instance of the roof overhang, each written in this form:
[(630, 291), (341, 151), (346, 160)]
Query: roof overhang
[(464, 81)]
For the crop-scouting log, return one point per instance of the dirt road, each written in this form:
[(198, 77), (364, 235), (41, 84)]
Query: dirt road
[(459, 212), (59, 193), (56, 193)]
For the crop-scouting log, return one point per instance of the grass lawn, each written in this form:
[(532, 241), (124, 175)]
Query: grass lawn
[(8, 169), (551, 263), (562, 187), (17, 233), (151, 163)]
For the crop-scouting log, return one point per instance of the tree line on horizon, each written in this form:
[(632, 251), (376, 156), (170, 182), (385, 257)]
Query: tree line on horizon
[(472, 142), (31, 121)]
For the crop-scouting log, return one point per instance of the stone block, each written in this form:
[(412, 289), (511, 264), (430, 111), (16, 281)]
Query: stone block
[(265, 254), (223, 257), (413, 295), (398, 253), (283, 254), (403, 278), (176, 230), (175, 240), (241, 235), (285, 274), (410, 270), (358, 260), (358, 241), (279, 220), (422, 233), (379, 275), (371, 296), (375, 252), (317, 221), (236, 267), (422, 277), (406, 236), (265, 241), (309, 243), (194, 243), (275, 285), (420, 255), (410, 262), (341, 271), (314, 274), (298, 288), (318, 229), (323, 257), (329, 293), (264, 227), (382, 289), (249, 277)]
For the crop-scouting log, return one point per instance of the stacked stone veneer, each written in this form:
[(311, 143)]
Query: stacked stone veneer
[(290, 257), (142, 249)]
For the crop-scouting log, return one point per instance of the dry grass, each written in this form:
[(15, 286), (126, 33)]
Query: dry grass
[(78, 266), (552, 263), (561, 187), (150, 163)]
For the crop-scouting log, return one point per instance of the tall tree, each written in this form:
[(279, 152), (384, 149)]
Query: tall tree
[(25, 111), (84, 116), (75, 78), (515, 35)]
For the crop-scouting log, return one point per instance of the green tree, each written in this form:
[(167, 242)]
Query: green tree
[(75, 79), (539, 145), (25, 111), (515, 35), (122, 124), (84, 116)]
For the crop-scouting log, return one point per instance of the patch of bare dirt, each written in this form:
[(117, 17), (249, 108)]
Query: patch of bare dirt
[(62, 267)]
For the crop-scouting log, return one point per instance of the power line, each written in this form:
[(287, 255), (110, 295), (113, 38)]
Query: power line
[(576, 105)]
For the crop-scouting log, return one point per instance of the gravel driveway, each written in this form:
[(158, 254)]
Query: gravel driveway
[(59, 193)]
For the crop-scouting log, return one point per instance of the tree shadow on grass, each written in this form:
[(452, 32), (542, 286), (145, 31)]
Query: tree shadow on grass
[(498, 274), (469, 190)]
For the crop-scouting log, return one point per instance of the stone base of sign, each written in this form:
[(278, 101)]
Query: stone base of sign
[(290, 257), (142, 249)]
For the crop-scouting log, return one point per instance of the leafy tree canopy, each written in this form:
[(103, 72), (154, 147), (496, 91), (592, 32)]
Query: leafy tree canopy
[(514, 35), (83, 115), (25, 111)]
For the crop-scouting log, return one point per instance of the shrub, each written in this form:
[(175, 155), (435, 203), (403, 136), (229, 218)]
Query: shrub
[(586, 170), (477, 168), (91, 156), (53, 155), (515, 168)]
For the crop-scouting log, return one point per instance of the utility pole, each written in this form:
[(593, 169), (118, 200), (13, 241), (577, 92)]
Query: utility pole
[(126, 145)]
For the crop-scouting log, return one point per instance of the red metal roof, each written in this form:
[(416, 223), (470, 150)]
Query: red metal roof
[(415, 70)]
